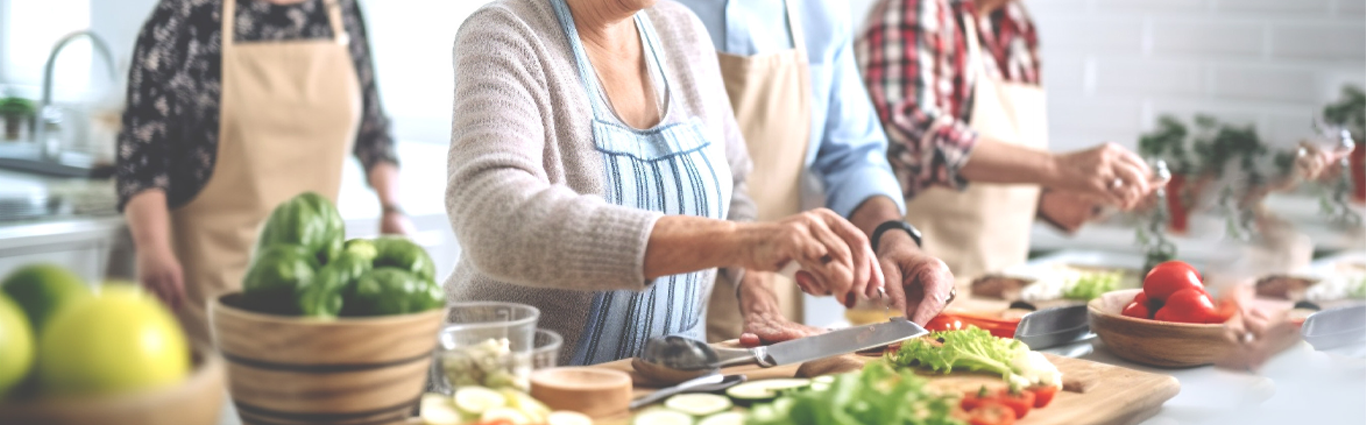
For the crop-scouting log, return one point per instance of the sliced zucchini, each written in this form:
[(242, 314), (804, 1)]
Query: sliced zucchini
[(662, 417), (819, 386), (759, 391), (534, 410), (514, 416), (438, 409), (824, 379), (565, 417), (724, 418), (477, 400), (699, 404)]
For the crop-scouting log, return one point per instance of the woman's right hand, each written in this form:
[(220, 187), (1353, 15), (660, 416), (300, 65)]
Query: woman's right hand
[(834, 255), (1108, 173), (160, 273)]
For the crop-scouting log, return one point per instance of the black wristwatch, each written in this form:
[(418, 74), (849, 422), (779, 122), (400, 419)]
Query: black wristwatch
[(895, 225)]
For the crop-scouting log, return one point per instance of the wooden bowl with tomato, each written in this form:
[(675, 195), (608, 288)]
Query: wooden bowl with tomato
[(1170, 322)]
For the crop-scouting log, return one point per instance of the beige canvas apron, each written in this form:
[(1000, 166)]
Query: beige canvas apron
[(771, 96), (289, 116), (986, 228)]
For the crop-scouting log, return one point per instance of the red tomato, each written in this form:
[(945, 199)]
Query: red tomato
[(1137, 310), (1167, 278), (1224, 311), (1187, 306), (974, 399), (1043, 395), (1142, 298), (1020, 401), (991, 413), (1001, 328)]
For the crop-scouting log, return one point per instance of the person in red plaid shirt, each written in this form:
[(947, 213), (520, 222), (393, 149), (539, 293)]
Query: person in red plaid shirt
[(956, 85)]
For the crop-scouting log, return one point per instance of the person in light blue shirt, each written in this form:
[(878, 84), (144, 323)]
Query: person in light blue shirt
[(816, 141)]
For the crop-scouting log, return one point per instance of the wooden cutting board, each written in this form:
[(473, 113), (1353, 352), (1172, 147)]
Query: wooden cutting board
[(1095, 393)]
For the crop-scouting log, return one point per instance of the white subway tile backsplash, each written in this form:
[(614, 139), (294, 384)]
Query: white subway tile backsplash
[(1142, 77), (1153, 6), (1092, 34), (1101, 120), (1322, 41), (1286, 130), (1353, 9), (1064, 74), (1270, 83), (1273, 8), (1207, 38)]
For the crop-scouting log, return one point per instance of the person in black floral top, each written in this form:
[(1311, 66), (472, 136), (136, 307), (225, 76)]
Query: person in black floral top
[(169, 143)]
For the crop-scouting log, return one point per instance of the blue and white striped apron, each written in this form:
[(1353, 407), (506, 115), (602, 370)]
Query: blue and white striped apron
[(673, 168)]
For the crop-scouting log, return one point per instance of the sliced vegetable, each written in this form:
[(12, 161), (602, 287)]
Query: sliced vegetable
[(662, 417), (878, 395), (991, 413), (698, 404), (823, 379), (1091, 285), (565, 417), (973, 399), (977, 350), (535, 411), (1043, 395), (1019, 401), (512, 416), (765, 390), (725, 418), (438, 409), (477, 400)]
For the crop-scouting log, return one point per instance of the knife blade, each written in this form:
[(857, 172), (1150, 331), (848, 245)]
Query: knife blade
[(838, 342), (1335, 328), (1053, 327)]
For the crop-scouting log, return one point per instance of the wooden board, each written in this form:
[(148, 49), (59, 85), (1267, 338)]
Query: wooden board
[(1096, 393)]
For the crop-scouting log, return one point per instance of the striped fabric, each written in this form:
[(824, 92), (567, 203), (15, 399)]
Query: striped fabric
[(913, 56), (671, 168)]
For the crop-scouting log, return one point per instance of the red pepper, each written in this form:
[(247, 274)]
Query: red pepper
[(1018, 401), (1001, 328)]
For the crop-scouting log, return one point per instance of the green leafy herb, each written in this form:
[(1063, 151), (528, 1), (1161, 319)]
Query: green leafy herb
[(1091, 285), (977, 350), (1349, 112), (1358, 291), (877, 395)]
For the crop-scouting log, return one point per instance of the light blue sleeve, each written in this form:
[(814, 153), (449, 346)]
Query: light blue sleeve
[(852, 159)]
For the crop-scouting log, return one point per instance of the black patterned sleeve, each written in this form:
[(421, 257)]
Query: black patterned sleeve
[(374, 139), (148, 118)]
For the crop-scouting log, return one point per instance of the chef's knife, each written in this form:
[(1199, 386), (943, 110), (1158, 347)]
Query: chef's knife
[(1335, 328), (1053, 327), (829, 344)]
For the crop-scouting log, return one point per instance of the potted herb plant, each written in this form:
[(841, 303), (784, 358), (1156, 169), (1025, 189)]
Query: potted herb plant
[(16, 112), (1168, 142), (1350, 113)]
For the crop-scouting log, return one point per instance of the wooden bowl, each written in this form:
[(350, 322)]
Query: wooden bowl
[(1153, 342), (196, 401), (286, 370)]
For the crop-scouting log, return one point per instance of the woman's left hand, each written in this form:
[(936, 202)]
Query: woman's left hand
[(395, 223)]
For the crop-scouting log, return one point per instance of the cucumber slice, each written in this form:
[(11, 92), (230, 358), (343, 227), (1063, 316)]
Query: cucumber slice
[(700, 404), (819, 386), (534, 410), (725, 418), (477, 400), (565, 417), (516, 417), (758, 391), (824, 379), (662, 417), (438, 409)]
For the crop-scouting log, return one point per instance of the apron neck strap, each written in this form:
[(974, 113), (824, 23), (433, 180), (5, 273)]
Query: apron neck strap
[(794, 27), (333, 19), (587, 75)]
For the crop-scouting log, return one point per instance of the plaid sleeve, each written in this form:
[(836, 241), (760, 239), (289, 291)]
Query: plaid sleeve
[(374, 138), (912, 59)]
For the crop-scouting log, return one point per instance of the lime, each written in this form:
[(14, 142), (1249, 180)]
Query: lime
[(16, 345), (119, 341), (40, 289)]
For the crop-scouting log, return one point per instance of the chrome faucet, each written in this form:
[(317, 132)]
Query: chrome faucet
[(47, 113)]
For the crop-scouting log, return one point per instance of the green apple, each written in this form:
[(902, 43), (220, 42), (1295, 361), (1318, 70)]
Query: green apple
[(16, 345), (41, 289), (119, 341)]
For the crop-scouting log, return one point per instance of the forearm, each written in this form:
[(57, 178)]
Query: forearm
[(149, 221), (681, 244), (994, 161), (384, 178), (873, 212)]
